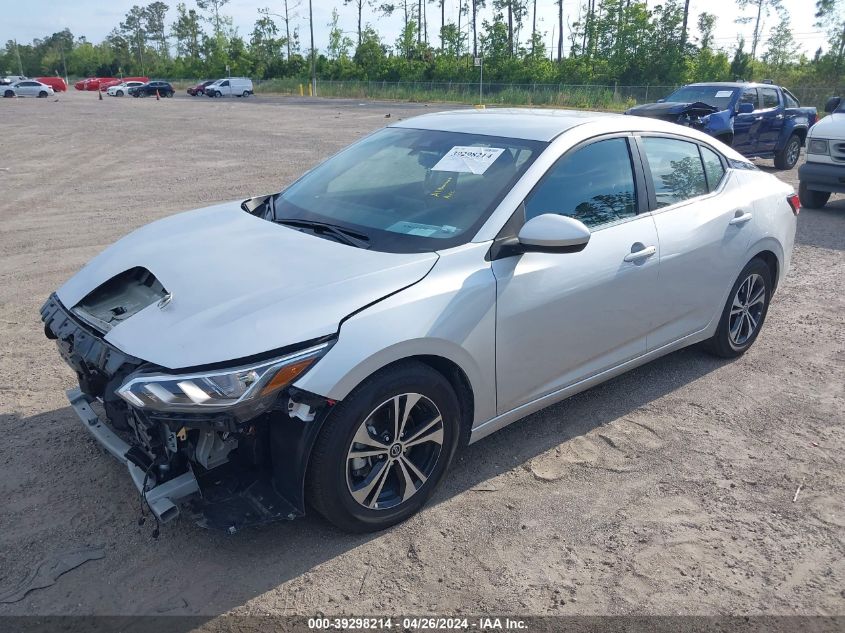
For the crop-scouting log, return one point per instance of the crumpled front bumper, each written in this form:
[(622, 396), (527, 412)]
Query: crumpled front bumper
[(163, 499)]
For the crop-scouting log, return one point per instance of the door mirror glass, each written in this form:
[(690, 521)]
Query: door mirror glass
[(553, 233), (832, 104), (746, 108)]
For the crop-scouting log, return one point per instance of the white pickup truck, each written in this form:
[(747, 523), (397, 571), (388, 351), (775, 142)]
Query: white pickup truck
[(824, 171)]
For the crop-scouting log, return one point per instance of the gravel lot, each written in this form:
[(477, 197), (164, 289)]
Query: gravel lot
[(666, 491)]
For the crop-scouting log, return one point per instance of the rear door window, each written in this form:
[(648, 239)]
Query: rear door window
[(676, 170), (789, 100), (713, 168), (769, 97), (749, 95)]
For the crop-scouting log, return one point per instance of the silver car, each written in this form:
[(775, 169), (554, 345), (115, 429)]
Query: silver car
[(337, 342), (27, 88)]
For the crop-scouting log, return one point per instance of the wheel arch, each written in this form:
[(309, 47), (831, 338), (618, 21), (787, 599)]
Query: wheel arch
[(446, 358), (773, 264), (801, 133)]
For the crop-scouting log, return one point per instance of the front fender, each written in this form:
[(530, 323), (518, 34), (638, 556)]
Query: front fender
[(449, 314), (720, 123)]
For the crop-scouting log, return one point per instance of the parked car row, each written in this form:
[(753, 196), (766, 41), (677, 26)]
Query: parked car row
[(104, 83), (228, 87)]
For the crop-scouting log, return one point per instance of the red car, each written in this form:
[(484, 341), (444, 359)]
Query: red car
[(92, 83), (107, 83), (56, 83), (199, 89)]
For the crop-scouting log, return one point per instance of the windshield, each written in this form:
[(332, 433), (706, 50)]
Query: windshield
[(716, 96), (409, 190)]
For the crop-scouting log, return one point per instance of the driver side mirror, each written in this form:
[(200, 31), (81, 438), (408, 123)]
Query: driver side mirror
[(832, 104), (746, 108), (553, 233)]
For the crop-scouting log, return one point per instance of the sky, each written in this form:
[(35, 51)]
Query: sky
[(31, 19)]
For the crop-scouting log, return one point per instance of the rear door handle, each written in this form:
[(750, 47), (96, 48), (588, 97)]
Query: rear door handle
[(643, 253), (740, 218)]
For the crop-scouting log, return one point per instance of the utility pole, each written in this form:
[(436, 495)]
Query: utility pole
[(64, 65), (313, 52), (18, 54)]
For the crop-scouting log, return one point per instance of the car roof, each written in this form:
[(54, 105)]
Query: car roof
[(734, 84), (523, 123)]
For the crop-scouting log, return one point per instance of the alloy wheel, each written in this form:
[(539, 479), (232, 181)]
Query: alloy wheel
[(747, 309), (394, 451), (792, 152)]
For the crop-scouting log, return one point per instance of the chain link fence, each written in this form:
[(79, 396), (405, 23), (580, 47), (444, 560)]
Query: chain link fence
[(601, 97)]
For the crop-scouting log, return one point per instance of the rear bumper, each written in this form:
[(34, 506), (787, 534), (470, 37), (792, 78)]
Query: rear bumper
[(164, 499), (822, 177)]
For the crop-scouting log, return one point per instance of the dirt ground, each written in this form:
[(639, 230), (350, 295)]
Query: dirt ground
[(666, 491)]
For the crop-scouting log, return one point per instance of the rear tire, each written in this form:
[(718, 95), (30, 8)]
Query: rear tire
[(787, 158), (744, 313), (812, 199), (397, 472)]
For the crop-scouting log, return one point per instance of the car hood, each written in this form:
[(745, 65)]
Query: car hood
[(670, 108), (831, 127), (239, 285)]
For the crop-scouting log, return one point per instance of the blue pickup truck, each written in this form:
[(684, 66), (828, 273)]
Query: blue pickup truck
[(760, 120)]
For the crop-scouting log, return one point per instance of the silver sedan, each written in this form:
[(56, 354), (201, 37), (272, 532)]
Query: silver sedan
[(338, 341), (27, 88)]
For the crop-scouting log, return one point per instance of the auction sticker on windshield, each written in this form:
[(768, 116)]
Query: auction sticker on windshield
[(724, 93), (472, 160)]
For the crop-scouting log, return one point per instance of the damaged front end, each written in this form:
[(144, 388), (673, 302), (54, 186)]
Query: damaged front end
[(698, 115), (228, 444)]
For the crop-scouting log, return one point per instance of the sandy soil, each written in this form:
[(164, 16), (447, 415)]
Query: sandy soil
[(666, 491)]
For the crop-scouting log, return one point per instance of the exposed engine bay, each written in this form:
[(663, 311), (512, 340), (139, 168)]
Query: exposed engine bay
[(229, 470), (697, 115)]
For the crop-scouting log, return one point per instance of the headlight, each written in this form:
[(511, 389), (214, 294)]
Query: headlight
[(817, 146), (249, 386)]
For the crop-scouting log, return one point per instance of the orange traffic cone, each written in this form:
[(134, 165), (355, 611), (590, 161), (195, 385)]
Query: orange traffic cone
[(157, 95)]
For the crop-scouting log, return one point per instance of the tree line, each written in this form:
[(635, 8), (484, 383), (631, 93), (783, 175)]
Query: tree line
[(625, 42)]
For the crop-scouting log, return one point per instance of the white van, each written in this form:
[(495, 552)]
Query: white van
[(824, 171), (231, 86)]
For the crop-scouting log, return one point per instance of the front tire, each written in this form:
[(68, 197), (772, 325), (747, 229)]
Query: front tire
[(383, 450), (745, 311), (42, 94), (119, 93), (9, 93), (812, 199), (787, 158)]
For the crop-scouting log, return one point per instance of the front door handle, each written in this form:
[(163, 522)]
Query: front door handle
[(643, 253), (740, 218)]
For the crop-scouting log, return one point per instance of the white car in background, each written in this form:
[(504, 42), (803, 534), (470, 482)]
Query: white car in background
[(338, 341), (27, 88), (121, 90)]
